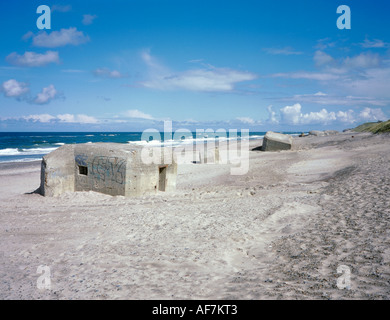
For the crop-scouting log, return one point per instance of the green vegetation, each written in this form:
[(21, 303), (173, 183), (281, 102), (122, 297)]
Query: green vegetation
[(374, 127)]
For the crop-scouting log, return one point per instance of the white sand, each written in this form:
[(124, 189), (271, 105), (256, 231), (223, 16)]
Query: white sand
[(278, 232)]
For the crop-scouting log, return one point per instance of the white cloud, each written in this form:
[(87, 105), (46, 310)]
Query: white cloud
[(320, 76), (373, 82), (363, 78), (195, 61), (293, 115), (106, 73), (346, 116), (272, 116), (14, 88), (246, 120), (28, 35), (39, 118), (88, 19), (287, 51), (61, 8), (151, 61), (83, 118), (46, 95), (332, 99), (323, 117), (356, 80), (137, 114), (202, 80), (368, 114), (20, 90), (79, 118), (322, 58), (59, 38), (72, 70), (363, 60), (32, 59), (325, 43), (211, 79), (68, 118), (376, 43)]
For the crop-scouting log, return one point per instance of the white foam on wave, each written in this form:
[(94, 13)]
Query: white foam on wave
[(146, 143), (9, 152), (26, 152), (187, 140), (33, 151)]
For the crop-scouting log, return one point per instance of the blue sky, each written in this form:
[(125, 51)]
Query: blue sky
[(130, 65)]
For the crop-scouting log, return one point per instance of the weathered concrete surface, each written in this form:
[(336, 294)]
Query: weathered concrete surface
[(210, 156), (323, 133), (105, 168), (57, 172), (274, 141), (331, 132), (317, 133), (110, 168)]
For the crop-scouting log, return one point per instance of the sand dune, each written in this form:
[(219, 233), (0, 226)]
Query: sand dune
[(279, 232)]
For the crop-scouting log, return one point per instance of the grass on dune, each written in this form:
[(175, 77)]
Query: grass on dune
[(374, 127)]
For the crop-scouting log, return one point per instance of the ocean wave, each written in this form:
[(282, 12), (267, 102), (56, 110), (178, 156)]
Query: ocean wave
[(144, 142), (9, 152), (173, 142), (25, 152)]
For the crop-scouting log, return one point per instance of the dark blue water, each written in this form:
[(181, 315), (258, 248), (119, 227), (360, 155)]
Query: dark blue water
[(25, 146)]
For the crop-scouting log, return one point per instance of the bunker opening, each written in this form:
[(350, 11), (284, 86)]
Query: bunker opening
[(162, 177), (83, 170)]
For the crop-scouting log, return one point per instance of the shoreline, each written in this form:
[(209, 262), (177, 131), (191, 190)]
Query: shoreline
[(18, 164)]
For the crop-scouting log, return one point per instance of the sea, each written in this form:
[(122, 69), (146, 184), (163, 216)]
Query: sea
[(32, 146)]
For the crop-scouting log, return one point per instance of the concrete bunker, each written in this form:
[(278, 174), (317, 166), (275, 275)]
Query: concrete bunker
[(110, 168), (274, 141)]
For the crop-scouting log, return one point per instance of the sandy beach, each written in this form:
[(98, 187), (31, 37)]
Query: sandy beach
[(281, 231)]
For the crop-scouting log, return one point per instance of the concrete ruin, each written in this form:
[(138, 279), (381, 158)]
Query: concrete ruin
[(318, 133), (276, 141), (110, 168)]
